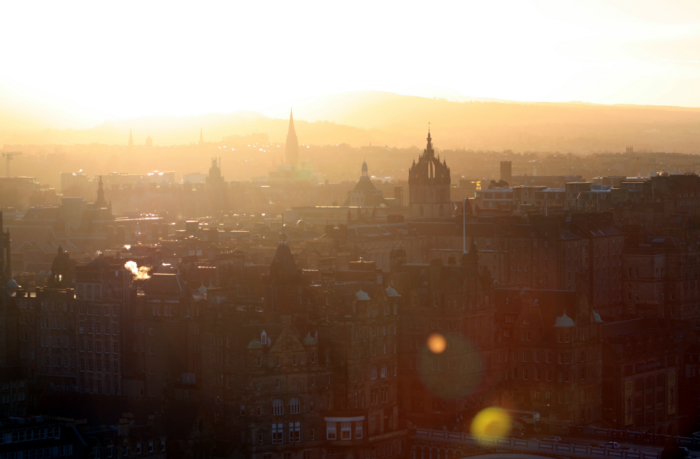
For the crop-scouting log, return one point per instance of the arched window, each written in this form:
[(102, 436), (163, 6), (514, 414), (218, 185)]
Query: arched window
[(294, 406), (373, 375), (277, 407), (263, 337), (384, 371)]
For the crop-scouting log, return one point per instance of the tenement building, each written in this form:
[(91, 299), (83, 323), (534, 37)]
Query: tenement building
[(642, 361)]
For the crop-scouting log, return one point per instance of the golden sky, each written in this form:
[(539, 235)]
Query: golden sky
[(122, 59)]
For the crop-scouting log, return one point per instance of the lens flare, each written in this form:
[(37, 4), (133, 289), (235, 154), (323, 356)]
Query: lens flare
[(437, 343), (491, 422), (449, 372)]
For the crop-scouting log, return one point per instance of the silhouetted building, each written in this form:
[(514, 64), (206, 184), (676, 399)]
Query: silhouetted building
[(429, 185), (291, 148), (365, 194), (506, 171)]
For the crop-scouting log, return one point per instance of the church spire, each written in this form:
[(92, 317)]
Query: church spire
[(100, 195), (131, 139), (201, 136), (291, 148)]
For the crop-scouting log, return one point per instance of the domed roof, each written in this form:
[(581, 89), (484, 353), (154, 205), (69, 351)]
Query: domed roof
[(202, 289), (362, 296), (309, 340), (255, 344), (564, 321), (391, 293), (12, 284), (596, 317)]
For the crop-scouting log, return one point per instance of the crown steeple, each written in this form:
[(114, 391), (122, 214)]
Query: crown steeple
[(429, 148)]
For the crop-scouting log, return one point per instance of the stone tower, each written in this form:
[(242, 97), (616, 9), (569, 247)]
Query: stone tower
[(291, 149), (429, 185)]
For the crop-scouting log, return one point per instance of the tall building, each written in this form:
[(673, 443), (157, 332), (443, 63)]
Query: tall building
[(131, 138), (291, 148), (429, 185)]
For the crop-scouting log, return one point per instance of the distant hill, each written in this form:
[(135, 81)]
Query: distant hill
[(384, 118)]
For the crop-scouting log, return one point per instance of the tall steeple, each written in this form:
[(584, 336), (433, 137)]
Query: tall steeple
[(365, 169), (291, 149), (100, 203), (131, 139), (201, 136)]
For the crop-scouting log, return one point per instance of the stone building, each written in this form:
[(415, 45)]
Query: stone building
[(549, 354), (455, 302), (429, 185), (659, 279), (642, 361), (548, 253), (162, 343), (102, 297)]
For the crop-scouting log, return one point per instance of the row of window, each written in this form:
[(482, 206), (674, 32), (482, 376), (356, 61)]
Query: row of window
[(39, 453), (346, 430), (84, 345), (30, 435)]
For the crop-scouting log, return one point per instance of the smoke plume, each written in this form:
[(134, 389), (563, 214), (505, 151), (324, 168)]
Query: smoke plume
[(139, 273)]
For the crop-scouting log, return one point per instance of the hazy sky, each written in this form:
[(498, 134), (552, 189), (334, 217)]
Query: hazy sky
[(156, 57)]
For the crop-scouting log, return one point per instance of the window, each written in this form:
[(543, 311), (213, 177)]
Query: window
[(294, 406), (374, 372), (346, 431), (331, 431), (384, 371), (294, 432), (277, 407), (358, 429), (277, 432), (261, 439)]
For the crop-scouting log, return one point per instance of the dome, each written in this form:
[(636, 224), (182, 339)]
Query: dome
[(596, 318), (202, 290), (12, 284), (362, 296), (309, 340), (391, 293), (255, 344), (564, 321)]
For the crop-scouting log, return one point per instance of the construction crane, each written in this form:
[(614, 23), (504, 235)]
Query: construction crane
[(8, 156)]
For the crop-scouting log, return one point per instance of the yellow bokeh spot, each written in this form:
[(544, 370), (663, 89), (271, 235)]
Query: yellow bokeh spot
[(437, 343), (491, 422)]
